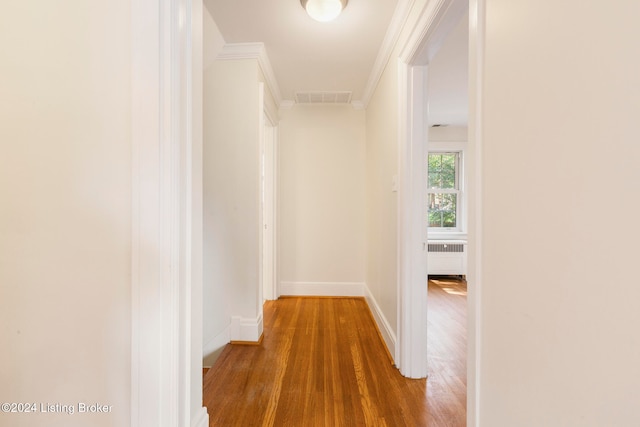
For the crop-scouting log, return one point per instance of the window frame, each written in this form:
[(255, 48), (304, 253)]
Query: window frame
[(458, 191)]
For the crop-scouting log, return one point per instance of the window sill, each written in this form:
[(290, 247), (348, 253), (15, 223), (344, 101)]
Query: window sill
[(446, 235)]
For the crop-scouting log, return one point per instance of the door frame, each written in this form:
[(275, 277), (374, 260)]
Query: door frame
[(269, 152), (166, 285), (434, 24)]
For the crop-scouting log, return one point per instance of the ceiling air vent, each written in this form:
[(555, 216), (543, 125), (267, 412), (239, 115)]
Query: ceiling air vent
[(321, 97)]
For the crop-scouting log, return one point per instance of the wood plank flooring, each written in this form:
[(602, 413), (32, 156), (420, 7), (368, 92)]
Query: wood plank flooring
[(322, 363), (447, 351)]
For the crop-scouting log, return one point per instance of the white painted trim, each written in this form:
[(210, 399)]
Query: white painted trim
[(232, 51), (402, 131), (400, 15), (272, 115), (261, 120), (200, 419), (269, 258), (269, 76), (322, 289), (193, 330), (447, 235), (412, 237), (474, 276), (218, 341), (155, 310), (384, 327), (246, 328), (276, 220), (166, 61), (276, 195)]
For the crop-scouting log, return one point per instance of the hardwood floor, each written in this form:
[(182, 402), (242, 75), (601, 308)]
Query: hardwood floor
[(447, 351), (322, 363)]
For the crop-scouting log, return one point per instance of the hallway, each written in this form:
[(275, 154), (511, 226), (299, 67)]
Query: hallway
[(319, 355)]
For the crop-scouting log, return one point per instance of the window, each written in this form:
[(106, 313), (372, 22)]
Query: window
[(444, 190)]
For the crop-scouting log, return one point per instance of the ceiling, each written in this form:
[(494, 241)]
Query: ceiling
[(308, 56), (448, 79)]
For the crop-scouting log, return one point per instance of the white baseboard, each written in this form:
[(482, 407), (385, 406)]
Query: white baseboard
[(322, 289), (217, 342), (201, 419), (246, 329), (387, 333)]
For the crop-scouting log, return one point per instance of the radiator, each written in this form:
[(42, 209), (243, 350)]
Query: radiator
[(447, 257)]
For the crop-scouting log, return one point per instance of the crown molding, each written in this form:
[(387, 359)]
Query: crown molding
[(240, 51), (396, 25), (232, 51)]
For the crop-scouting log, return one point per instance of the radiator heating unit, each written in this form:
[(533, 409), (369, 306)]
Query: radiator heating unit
[(447, 257)]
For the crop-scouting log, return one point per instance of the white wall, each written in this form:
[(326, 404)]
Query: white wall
[(233, 113), (382, 201), (65, 221), (382, 170), (322, 199), (447, 134), (213, 40), (560, 304), (447, 78), (216, 313), (231, 196)]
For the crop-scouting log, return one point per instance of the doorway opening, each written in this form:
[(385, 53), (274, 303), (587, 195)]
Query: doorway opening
[(447, 159)]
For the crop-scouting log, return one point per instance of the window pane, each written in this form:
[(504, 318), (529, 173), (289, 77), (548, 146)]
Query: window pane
[(448, 179), (442, 170), (435, 162), (442, 210), (435, 166), (434, 179)]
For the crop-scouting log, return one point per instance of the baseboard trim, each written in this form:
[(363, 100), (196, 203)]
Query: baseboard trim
[(219, 341), (322, 289), (248, 342), (388, 336), (201, 419), (246, 329)]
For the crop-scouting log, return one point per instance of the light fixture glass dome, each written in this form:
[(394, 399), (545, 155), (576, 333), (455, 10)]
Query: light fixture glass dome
[(323, 10)]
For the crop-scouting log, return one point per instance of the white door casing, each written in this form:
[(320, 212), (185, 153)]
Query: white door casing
[(269, 210), (166, 319), (434, 24)]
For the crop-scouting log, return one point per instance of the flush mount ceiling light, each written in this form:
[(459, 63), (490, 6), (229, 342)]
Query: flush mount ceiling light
[(324, 10)]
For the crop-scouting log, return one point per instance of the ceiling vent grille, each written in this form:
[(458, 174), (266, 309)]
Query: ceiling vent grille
[(320, 97)]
